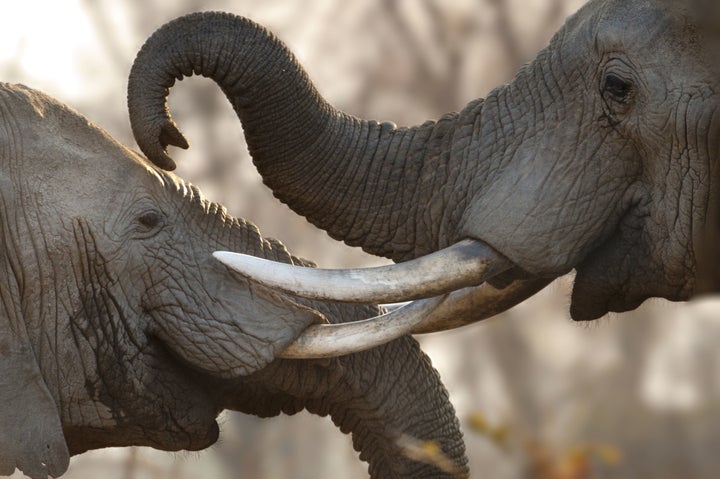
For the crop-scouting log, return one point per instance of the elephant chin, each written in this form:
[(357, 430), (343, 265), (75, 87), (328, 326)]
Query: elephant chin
[(622, 273), (594, 296), (617, 280), (604, 280)]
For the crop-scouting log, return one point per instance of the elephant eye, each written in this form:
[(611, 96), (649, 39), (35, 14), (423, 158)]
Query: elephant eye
[(150, 219), (617, 88), (149, 223)]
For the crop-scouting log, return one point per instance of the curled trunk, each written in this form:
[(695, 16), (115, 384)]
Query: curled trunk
[(379, 396), (380, 413), (297, 140)]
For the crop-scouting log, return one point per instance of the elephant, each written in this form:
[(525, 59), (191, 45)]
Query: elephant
[(600, 156), (119, 327)]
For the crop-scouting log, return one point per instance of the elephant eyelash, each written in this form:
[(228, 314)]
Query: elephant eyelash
[(151, 219), (149, 224), (617, 95), (617, 88)]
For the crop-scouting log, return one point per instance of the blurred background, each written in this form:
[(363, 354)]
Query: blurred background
[(635, 395)]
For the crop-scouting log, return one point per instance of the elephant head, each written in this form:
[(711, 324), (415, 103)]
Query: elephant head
[(119, 328), (600, 156)]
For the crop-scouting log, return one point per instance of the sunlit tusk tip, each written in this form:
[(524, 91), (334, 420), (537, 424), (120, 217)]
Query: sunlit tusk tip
[(219, 255), (242, 263), (224, 255)]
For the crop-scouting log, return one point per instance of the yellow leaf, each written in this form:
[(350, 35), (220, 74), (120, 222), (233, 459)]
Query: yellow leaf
[(428, 452), (500, 435), (609, 454), (431, 448), (478, 423)]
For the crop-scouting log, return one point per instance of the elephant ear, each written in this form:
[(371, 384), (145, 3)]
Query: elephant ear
[(31, 436)]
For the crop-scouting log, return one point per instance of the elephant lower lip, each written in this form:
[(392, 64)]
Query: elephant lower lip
[(591, 296), (589, 307), (622, 273), (595, 295)]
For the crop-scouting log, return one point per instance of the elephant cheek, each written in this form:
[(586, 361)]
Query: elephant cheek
[(549, 207), (233, 333), (537, 229)]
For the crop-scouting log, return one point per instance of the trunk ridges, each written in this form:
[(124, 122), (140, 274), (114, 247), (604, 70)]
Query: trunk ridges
[(376, 396), (378, 410), (337, 170)]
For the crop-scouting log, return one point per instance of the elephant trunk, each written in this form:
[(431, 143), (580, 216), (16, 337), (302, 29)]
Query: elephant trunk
[(382, 397), (381, 413), (362, 181)]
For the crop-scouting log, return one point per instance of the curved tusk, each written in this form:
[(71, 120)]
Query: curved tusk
[(440, 313), (332, 340), (470, 305), (467, 263)]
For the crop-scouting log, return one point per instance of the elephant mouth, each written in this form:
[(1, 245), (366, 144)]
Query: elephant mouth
[(447, 289)]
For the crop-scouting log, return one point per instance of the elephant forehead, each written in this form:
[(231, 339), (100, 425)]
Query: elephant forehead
[(636, 25), (42, 121), (49, 145), (54, 129)]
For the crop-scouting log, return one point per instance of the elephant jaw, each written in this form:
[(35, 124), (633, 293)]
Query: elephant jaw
[(450, 288), (621, 274)]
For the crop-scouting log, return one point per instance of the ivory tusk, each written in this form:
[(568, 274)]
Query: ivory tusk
[(440, 313), (470, 305), (467, 263), (332, 340)]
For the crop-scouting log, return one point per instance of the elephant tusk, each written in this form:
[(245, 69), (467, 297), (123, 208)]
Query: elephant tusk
[(332, 340), (452, 269), (470, 305), (467, 263), (460, 308)]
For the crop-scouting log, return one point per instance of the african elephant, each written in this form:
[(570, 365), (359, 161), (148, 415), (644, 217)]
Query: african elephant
[(119, 328), (600, 156)]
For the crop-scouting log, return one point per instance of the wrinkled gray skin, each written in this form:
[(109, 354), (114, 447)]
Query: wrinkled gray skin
[(600, 156), (119, 328)]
